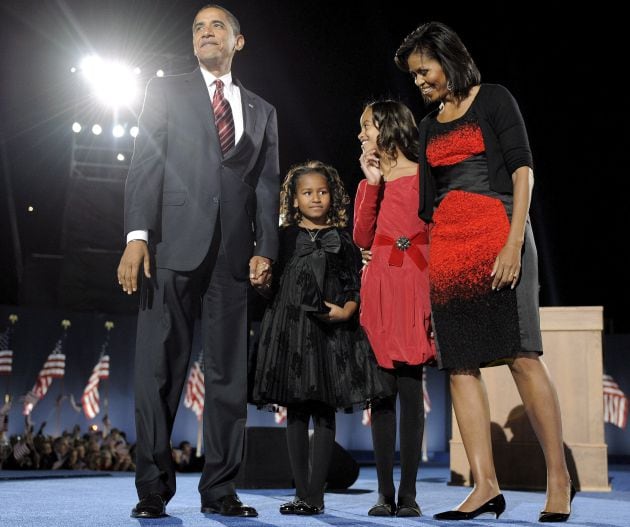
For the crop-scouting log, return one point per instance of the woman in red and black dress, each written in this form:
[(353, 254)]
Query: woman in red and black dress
[(476, 181)]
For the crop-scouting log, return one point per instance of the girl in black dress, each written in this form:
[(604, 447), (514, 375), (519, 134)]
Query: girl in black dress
[(313, 356)]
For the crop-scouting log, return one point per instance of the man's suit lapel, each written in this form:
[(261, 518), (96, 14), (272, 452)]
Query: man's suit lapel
[(249, 119), (200, 101)]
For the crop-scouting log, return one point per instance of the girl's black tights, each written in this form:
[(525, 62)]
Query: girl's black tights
[(407, 381), (310, 489)]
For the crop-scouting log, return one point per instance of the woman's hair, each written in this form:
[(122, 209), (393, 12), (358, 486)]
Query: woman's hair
[(396, 128), (439, 42), (291, 215)]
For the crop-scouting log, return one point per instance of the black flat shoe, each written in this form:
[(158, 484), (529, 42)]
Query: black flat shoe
[(229, 505), (494, 506), (556, 517), (289, 506), (383, 507), (305, 509), (151, 506), (407, 508)]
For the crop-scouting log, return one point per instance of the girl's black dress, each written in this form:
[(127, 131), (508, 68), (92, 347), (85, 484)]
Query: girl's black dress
[(301, 358)]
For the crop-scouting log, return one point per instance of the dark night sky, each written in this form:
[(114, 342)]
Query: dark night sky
[(318, 62)]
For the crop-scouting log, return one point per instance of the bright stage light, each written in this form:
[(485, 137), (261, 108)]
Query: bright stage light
[(113, 82), (118, 130), (133, 131), (137, 71), (120, 157), (97, 130), (73, 69), (76, 127), (160, 73)]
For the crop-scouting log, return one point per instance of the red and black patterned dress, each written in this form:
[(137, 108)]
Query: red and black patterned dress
[(474, 325)]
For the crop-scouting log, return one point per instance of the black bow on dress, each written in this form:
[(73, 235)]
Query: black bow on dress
[(326, 241)]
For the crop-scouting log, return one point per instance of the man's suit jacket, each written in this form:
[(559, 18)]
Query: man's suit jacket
[(179, 180)]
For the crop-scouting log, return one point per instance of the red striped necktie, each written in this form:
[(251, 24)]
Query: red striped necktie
[(223, 118)]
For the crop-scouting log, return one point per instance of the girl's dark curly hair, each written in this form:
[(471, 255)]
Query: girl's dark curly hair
[(396, 128), (339, 199)]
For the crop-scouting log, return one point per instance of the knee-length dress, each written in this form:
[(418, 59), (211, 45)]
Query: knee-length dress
[(395, 308), (474, 325), (301, 358)]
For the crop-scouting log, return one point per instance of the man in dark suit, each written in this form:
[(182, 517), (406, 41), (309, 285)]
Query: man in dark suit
[(201, 217)]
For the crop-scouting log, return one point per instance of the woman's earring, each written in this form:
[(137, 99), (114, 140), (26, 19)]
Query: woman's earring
[(449, 86)]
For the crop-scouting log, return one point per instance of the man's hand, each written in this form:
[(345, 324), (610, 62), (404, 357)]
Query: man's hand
[(260, 272), (136, 255)]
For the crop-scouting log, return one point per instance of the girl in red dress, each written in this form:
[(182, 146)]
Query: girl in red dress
[(395, 311)]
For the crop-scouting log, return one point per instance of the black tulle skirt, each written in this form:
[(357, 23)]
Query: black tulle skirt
[(301, 358)]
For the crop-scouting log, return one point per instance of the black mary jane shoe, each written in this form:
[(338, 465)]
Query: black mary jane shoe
[(303, 508), (289, 506), (407, 508), (494, 506), (557, 517), (151, 506), (384, 506)]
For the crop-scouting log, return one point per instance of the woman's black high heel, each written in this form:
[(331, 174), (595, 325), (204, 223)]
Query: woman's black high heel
[(495, 505), (549, 517)]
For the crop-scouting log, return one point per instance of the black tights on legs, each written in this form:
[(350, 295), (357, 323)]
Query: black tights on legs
[(310, 489), (407, 381)]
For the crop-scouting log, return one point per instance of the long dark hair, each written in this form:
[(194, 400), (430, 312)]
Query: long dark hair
[(396, 128), (439, 42), (339, 199)]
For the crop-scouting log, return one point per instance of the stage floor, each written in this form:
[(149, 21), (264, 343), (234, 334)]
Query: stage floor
[(95, 500)]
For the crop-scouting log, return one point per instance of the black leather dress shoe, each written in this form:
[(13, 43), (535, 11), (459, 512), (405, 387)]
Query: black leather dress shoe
[(384, 506), (151, 506), (306, 509), (228, 505), (407, 508), (289, 506)]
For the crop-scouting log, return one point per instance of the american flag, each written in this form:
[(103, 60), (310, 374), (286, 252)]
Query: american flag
[(615, 403), (195, 390), (280, 414), (54, 368), (90, 399), (6, 355), (425, 393), (20, 450)]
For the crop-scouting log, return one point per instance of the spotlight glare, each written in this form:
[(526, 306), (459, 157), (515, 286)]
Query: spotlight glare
[(76, 127), (137, 71), (73, 69), (120, 157), (160, 73), (30, 208), (97, 130), (112, 82), (133, 131), (118, 130)]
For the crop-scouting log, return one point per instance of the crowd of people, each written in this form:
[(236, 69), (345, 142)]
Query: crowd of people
[(105, 449)]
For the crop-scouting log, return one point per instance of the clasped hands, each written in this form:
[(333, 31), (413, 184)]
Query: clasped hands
[(260, 273)]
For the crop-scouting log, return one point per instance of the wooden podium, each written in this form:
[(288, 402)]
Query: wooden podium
[(572, 341)]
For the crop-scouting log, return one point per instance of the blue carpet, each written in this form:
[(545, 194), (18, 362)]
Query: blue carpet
[(105, 501)]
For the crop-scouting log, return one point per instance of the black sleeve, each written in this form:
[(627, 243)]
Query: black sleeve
[(509, 127), (350, 268)]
